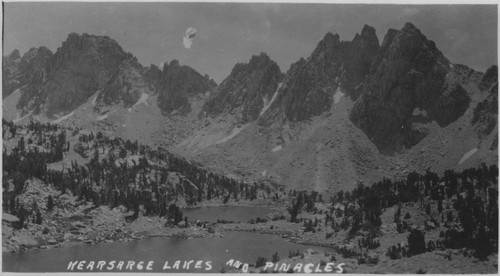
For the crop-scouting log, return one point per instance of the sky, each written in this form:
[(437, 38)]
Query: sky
[(228, 33)]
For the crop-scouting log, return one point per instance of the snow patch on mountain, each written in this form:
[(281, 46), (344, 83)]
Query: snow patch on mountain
[(62, 118), (95, 99), (233, 133), (17, 91), (18, 119), (9, 110), (100, 118), (268, 103), (467, 155), (277, 148), (105, 116), (142, 100), (338, 95), (417, 111)]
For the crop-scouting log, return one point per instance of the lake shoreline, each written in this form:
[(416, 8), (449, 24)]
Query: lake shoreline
[(109, 226)]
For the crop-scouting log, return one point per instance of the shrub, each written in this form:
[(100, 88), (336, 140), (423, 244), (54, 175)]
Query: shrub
[(394, 253), (373, 260), (293, 254), (361, 260), (261, 261)]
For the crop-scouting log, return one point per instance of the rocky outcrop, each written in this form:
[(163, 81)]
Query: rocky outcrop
[(452, 104), (408, 74), (33, 61), (489, 79), (33, 68), (310, 84), (126, 86), (21, 71), (465, 75), (249, 87), (178, 84), (10, 73), (485, 116), (152, 75)]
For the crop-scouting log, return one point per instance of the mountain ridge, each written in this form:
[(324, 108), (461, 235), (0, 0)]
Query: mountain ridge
[(353, 111)]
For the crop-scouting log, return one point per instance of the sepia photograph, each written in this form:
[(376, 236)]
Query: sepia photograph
[(211, 137)]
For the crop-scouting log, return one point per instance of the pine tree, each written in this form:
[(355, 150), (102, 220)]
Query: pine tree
[(50, 203), (275, 258), (294, 211), (416, 242), (39, 218)]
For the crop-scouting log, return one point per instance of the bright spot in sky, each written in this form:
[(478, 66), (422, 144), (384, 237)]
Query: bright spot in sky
[(188, 38)]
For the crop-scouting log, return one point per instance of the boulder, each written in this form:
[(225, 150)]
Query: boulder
[(430, 225), (9, 218), (52, 241)]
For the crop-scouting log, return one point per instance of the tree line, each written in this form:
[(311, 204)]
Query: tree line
[(118, 172), (471, 198)]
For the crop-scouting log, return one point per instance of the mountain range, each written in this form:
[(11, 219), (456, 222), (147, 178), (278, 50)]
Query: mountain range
[(353, 111)]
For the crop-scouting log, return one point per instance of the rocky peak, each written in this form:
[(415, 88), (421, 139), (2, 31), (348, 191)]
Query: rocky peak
[(10, 73), (34, 52), (409, 27), (489, 78), (388, 38), (248, 87), (152, 75), (14, 55), (173, 64), (126, 86), (412, 44), (310, 84), (256, 62), (259, 61), (368, 31), (20, 71), (485, 116), (177, 85), (362, 51), (368, 37), (81, 66), (409, 72), (328, 48), (328, 42), (90, 49), (34, 60)]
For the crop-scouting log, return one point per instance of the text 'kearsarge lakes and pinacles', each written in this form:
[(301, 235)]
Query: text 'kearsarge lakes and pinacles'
[(200, 266)]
